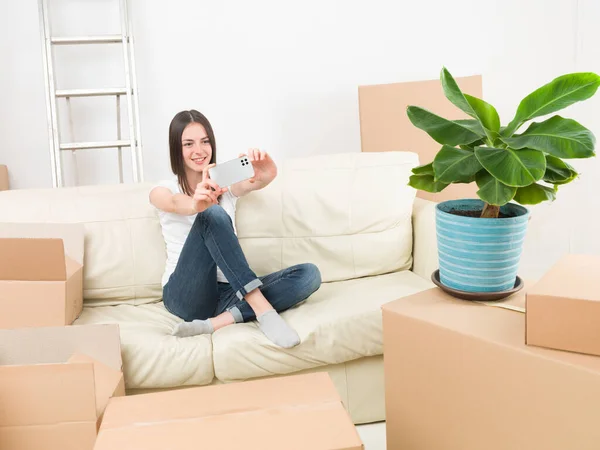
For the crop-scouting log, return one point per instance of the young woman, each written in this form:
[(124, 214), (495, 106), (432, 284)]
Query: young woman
[(207, 281)]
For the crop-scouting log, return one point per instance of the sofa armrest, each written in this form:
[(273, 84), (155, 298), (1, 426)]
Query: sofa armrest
[(425, 257)]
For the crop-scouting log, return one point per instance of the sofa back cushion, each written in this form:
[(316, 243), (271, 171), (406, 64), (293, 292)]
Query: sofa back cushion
[(350, 214)]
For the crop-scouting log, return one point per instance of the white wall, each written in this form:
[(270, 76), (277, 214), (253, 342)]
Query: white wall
[(283, 76)]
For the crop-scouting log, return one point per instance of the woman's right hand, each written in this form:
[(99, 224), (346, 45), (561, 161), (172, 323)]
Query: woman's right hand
[(207, 192)]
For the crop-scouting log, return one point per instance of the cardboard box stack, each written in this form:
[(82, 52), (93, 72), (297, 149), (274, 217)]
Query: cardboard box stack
[(55, 378), (55, 383), (459, 375)]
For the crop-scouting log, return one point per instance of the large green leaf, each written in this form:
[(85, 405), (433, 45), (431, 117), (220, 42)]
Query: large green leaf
[(534, 194), (486, 113), (425, 169), (554, 96), (426, 183), (564, 138), (558, 171), (441, 130), (455, 165), (482, 111), (512, 167), (454, 94), (493, 191)]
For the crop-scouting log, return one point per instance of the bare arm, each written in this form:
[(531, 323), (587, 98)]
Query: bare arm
[(205, 195), (165, 200)]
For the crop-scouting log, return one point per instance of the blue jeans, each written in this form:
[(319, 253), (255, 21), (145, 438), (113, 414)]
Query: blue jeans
[(193, 292)]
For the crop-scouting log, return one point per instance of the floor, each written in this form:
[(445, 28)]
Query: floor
[(373, 435)]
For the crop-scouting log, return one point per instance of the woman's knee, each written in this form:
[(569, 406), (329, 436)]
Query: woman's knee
[(178, 304), (215, 213), (311, 275)]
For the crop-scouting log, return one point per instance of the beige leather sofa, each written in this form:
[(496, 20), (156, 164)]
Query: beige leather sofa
[(352, 215)]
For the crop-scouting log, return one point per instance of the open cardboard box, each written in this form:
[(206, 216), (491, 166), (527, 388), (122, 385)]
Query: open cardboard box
[(292, 412), (563, 308), (55, 384), (41, 274)]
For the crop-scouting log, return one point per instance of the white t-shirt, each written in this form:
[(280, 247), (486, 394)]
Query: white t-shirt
[(175, 228)]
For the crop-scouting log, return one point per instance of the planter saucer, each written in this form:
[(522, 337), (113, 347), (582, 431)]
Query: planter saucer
[(477, 296)]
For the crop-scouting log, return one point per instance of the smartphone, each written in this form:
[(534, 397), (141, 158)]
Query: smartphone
[(231, 172)]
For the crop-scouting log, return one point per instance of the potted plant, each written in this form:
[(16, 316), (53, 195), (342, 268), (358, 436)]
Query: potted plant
[(480, 240)]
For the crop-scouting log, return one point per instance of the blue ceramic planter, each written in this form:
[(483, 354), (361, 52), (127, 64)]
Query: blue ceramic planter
[(479, 255)]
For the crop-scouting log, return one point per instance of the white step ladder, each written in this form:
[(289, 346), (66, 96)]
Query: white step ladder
[(57, 146)]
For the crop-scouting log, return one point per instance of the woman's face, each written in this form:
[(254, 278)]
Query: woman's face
[(196, 147)]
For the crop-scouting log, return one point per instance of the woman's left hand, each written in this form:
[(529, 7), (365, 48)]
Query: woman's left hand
[(265, 169)]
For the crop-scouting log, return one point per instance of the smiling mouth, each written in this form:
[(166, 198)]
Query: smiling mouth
[(199, 160)]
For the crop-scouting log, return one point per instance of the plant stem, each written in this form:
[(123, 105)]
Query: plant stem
[(490, 211)]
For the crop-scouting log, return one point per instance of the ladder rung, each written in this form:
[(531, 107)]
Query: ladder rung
[(90, 92), (92, 145), (108, 39)]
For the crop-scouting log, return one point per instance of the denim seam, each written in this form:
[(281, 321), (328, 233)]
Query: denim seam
[(221, 254)]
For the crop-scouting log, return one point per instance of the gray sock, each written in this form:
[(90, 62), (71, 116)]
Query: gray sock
[(277, 330), (193, 328)]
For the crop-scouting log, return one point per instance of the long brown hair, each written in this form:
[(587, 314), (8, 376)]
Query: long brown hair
[(180, 121)]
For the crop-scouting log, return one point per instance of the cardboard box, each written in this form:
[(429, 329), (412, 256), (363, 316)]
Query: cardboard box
[(384, 125), (41, 274), (55, 383), (563, 308), (458, 375), (3, 178), (295, 412), (108, 383)]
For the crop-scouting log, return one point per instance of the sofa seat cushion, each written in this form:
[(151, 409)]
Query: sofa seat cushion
[(338, 323), (152, 358)]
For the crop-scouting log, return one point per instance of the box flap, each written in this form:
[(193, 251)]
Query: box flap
[(106, 380), (574, 276), (311, 389), (72, 235), (324, 426), (41, 394), (25, 259), (72, 266), (58, 344)]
